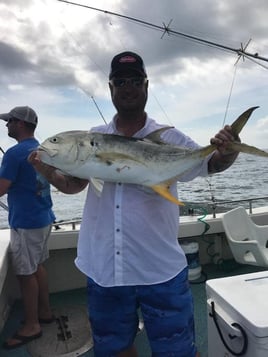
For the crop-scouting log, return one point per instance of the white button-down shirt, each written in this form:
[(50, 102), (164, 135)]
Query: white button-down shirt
[(129, 233)]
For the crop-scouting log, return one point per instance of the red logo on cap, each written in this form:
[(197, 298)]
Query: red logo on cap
[(127, 59)]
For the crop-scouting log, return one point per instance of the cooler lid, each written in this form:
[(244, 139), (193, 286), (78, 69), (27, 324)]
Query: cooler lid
[(244, 298)]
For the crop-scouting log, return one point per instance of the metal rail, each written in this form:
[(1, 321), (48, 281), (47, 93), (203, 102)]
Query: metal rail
[(250, 202), (74, 223)]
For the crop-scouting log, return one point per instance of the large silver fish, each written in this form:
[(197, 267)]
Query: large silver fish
[(114, 158)]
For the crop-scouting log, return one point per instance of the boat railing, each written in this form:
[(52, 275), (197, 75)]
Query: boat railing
[(249, 203), (73, 223), (214, 207), (211, 207)]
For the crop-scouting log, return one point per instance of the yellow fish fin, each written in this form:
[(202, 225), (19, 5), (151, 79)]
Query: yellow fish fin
[(163, 190), (239, 123)]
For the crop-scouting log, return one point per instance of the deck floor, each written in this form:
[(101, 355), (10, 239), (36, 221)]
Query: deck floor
[(78, 297)]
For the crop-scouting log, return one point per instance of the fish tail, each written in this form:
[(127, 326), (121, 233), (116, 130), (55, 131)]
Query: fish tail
[(248, 149), (240, 122)]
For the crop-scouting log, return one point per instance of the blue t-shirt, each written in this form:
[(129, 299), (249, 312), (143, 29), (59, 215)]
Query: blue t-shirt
[(29, 199)]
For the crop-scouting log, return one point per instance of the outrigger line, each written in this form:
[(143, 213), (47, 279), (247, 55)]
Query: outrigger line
[(98, 109), (167, 30)]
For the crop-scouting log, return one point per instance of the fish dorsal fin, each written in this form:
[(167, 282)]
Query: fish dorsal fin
[(240, 122), (163, 190), (155, 136)]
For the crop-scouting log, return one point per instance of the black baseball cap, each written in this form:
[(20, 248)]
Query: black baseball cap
[(127, 61)]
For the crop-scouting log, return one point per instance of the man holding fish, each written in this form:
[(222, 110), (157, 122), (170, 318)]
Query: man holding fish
[(128, 245)]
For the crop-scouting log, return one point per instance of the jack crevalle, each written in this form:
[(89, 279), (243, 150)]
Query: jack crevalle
[(149, 161)]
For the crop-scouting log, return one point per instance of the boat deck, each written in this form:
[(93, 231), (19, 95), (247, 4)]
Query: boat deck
[(77, 297)]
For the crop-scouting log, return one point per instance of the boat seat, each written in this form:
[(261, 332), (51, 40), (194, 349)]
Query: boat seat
[(247, 240)]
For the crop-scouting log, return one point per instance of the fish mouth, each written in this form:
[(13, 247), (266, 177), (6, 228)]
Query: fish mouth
[(49, 152)]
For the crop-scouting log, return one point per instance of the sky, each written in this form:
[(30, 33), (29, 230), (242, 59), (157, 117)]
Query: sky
[(55, 57)]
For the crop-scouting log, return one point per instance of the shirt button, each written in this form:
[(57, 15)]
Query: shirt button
[(119, 183), (117, 253), (117, 230), (117, 206)]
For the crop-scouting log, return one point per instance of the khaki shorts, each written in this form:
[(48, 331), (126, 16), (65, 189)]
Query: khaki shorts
[(28, 249)]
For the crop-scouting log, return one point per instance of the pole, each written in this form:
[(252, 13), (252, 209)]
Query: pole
[(239, 51)]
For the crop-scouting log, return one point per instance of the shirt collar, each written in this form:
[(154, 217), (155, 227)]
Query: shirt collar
[(139, 134)]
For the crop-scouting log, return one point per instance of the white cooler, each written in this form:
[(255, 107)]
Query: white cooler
[(239, 305)]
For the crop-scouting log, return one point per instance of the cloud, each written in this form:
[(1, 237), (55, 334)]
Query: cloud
[(56, 57)]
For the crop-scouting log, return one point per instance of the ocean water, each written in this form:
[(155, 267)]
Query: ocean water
[(246, 179)]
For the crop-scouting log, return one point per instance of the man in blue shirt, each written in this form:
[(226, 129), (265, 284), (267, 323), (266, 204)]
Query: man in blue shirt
[(30, 219)]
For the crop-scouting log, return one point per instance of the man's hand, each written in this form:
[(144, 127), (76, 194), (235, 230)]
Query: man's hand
[(223, 157), (64, 183), (223, 138), (42, 168)]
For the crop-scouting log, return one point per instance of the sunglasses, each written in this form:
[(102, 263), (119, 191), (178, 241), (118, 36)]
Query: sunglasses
[(122, 82), (12, 120)]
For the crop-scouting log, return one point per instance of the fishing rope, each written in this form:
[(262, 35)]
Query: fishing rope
[(210, 244), (206, 228), (224, 265)]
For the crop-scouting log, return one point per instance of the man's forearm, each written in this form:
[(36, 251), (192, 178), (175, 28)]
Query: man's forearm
[(220, 162), (64, 183)]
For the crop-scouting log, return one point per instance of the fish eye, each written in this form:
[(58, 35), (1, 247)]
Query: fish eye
[(54, 140)]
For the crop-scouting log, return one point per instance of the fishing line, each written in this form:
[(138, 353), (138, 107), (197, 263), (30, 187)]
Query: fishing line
[(209, 180), (77, 45), (230, 94), (160, 106), (98, 109), (252, 60)]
